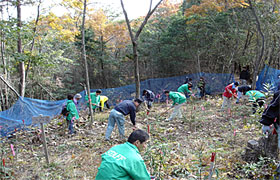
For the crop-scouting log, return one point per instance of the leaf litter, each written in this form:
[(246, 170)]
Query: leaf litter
[(177, 149)]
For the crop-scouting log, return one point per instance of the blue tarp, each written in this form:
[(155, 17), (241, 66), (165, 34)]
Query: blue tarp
[(26, 108), (268, 76)]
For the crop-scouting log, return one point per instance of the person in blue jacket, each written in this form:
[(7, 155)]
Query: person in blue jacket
[(117, 116), (148, 97)]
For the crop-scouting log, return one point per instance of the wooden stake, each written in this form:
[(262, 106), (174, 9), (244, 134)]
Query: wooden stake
[(16, 143), (45, 143), (41, 120)]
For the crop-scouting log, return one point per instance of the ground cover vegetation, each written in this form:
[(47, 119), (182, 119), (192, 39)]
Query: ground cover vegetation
[(178, 149)]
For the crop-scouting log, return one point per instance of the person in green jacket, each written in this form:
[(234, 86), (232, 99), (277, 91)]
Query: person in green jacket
[(123, 161), (185, 89), (95, 99), (178, 100), (256, 97), (72, 113)]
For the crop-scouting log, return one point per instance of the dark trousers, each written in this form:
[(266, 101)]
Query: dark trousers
[(202, 92), (70, 124)]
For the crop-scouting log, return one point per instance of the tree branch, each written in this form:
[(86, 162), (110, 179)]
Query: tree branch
[(146, 19), (128, 24), (49, 93), (151, 2), (33, 39), (13, 89)]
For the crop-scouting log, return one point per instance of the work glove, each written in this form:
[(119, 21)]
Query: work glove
[(73, 119), (265, 129)]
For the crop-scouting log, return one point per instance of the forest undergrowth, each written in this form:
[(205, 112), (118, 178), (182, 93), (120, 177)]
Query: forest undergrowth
[(178, 149)]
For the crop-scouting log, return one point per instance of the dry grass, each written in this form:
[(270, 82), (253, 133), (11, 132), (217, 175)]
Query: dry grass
[(179, 148)]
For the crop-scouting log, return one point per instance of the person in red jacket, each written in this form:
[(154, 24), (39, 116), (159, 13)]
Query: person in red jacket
[(230, 91)]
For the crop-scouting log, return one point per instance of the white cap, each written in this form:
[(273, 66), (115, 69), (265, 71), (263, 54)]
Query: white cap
[(78, 96)]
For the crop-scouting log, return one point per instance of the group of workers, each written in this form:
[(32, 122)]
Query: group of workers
[(180, 97), (271, 115), (124, 161), (245, 91), (116, 116), (72, 107)]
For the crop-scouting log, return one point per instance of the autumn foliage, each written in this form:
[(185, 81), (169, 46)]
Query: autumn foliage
[(214, 5)]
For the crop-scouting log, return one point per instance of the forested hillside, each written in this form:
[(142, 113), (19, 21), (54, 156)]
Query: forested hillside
[(180, 37), (71, 72)]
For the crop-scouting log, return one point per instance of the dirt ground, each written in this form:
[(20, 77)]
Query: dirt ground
[(178, 149)]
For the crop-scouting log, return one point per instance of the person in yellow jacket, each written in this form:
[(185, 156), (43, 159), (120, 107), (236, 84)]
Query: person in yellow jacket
[(103, 101)]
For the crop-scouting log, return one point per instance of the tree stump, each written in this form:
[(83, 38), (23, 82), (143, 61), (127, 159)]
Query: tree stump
[(264, 147)]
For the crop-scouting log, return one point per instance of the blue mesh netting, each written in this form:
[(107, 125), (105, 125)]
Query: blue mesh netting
[(215, 83), (26, 108), (270, 76)]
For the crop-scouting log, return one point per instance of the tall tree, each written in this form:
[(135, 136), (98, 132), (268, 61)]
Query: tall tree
[(19, 49), (4, 95), (85, 60), (260, 55), (134, 39)]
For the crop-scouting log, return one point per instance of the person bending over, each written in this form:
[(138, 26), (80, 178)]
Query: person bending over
[(148, 97), (117, 116), (178, 100)]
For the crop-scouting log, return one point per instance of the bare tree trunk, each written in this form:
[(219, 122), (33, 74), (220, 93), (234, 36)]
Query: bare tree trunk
[(248, 41), (134, 41), (136, 70), (33, 40), (104, 77), (5, 96), (259, 58), (2, 107), (198, 64), (19, 46), (85, 61)]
